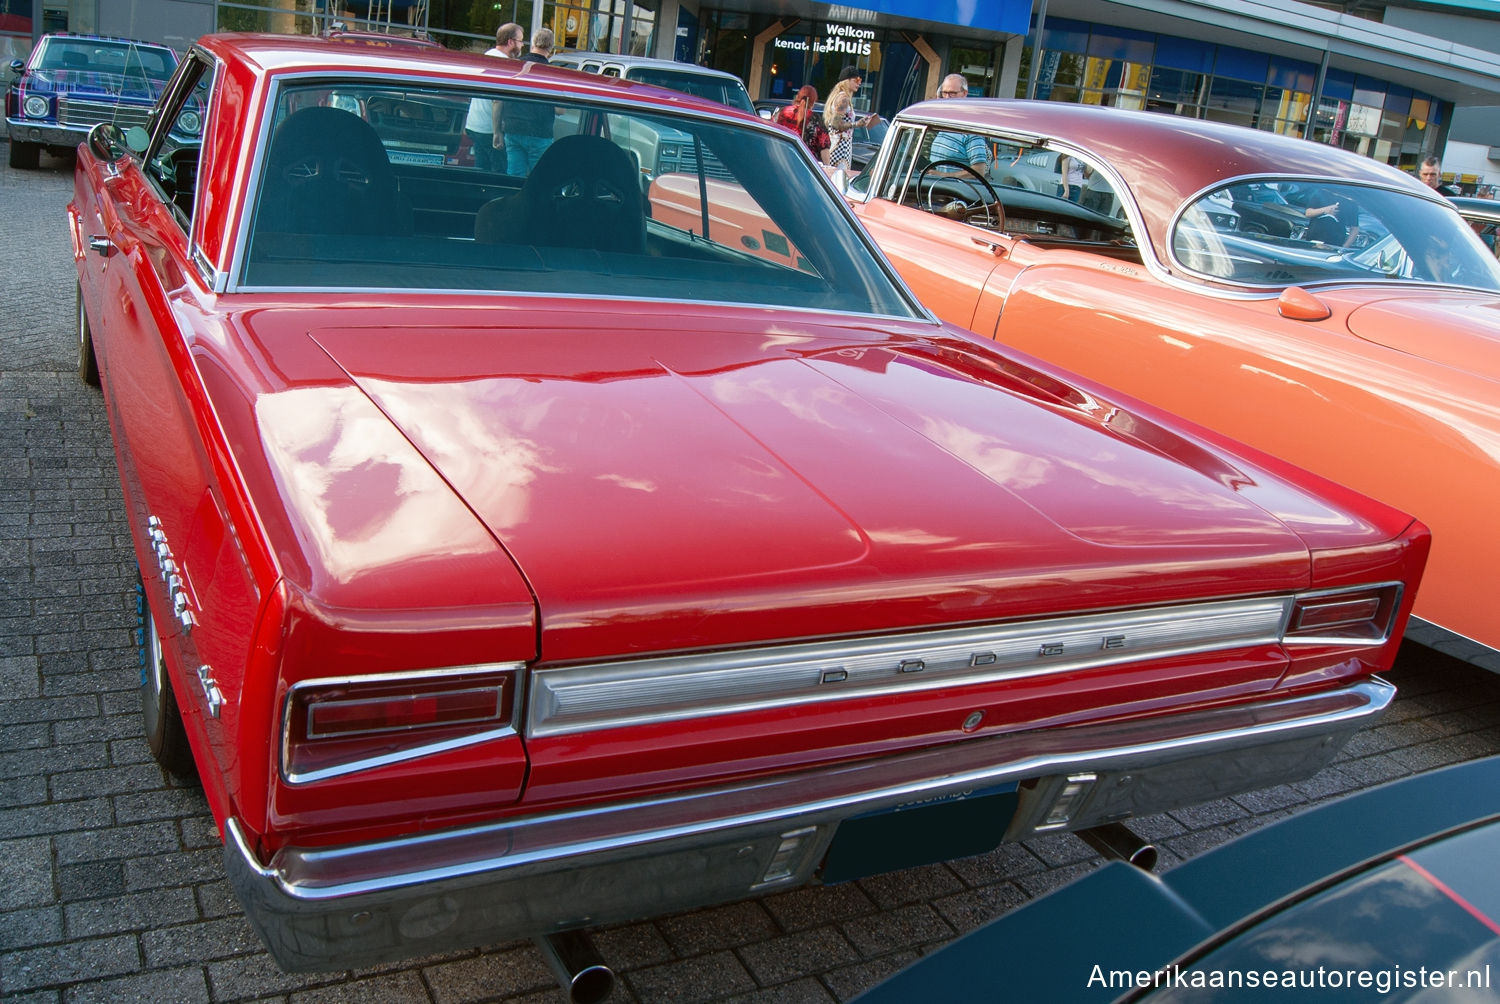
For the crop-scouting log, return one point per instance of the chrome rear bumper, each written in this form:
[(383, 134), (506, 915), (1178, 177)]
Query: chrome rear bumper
[(334, 908)]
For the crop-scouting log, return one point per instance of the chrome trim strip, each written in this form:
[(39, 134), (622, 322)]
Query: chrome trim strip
[(310, 876), (575, 699)]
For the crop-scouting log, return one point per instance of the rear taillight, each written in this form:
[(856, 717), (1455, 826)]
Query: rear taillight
[(1362, 616), (336, 727)]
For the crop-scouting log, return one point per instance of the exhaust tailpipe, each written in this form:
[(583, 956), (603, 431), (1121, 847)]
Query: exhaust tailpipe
[(576, 964), (1114, 840)]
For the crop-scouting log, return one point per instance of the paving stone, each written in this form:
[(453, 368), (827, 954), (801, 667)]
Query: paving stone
[(813, 906), (37, 926), (202, 941), (28, 872), (849, 981), (973, 908), (685, 981), (258, 975), (887, 931), (790, 956), (55, 965), (174, 869), (20, 677), (632, 946), (91, 880), (487, 976), (717, 927), (132, 912), (394, 988), (910, 885), (803, 991), (122, 842), (1005, 862), (177, 985)]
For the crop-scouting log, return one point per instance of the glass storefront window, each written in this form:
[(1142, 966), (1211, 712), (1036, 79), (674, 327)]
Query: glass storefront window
[(1369, 92), (1131, 69), (977, 66), (1242, 64), (281, 17), (1121, 44), (1234, 101), (1175, 91)]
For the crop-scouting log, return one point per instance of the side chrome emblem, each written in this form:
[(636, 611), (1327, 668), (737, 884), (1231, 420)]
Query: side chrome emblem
[(182, 607), (211, 692)]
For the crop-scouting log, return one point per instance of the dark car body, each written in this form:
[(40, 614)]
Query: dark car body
[(517, 559), (1388, 894), (1483, 217), (72, 82)]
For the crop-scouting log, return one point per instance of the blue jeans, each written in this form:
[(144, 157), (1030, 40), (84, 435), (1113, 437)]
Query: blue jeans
[(522, 153)]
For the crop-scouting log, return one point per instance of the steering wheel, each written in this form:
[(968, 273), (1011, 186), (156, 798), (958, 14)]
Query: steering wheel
[(957, 207)]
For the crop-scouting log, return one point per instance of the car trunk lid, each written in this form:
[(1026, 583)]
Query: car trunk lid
[(1458, 330), (675, 490)]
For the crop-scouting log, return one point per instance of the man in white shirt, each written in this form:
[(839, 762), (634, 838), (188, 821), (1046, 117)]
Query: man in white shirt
[(510, 40)]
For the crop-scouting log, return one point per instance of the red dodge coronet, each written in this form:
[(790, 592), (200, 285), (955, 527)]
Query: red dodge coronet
[(514, 561)]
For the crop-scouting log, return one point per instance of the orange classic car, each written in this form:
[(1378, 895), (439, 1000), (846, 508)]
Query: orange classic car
[(1309, 301)]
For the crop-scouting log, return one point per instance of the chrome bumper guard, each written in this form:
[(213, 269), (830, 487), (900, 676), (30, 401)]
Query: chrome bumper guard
[(339, 907)]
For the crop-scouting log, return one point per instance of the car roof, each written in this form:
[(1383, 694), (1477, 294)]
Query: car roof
[(1165, 159), (653, 61), (274, 54)]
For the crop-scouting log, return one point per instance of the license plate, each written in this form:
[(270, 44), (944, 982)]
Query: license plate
[(920, 833)]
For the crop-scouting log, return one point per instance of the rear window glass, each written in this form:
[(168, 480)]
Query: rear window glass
[(1279, 232), (700, 85), (368, 186), (93, 56)]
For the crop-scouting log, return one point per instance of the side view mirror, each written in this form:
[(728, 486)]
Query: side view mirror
[(16, 66), (107, 141)]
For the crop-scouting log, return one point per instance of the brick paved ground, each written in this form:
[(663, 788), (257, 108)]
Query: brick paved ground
[(113, 889)]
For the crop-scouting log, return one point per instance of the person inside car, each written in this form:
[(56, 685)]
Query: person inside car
[(959, 147)]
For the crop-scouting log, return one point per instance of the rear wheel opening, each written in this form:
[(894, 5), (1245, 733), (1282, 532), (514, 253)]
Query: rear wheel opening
[(88, 363)]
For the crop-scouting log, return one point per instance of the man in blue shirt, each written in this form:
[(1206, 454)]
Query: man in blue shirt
[(965, 148)]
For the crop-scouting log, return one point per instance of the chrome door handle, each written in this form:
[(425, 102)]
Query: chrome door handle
[(103, 245)]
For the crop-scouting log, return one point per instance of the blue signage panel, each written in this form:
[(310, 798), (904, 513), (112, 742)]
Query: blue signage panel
[(1012, 17)]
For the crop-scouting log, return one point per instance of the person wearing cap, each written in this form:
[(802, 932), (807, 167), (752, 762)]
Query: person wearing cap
[(838, 115)]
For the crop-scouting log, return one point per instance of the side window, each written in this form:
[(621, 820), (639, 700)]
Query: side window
[(899, 171), (171, 161)]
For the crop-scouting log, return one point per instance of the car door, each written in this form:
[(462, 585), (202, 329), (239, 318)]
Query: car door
[(143, 290), (946, 262)]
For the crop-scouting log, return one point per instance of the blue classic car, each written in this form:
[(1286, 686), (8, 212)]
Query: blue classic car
[(72, 82)]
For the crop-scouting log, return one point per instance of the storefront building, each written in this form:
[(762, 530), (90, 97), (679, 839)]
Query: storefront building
[(1279, 65)]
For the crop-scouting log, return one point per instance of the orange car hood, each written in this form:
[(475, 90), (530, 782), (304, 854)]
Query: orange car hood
[(1460, 330)]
